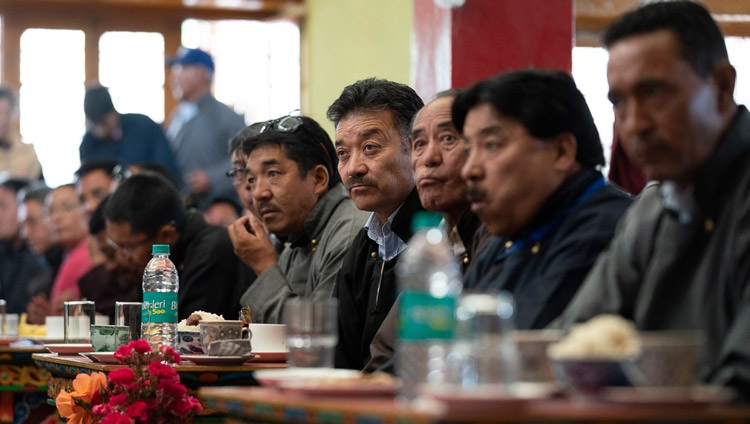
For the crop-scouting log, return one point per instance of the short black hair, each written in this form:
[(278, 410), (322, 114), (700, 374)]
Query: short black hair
[(34, 192), (13, 184), (545, 102), (97, 103), (88, 166), (247, 132), (308, 145), (147, 201), (374, 95), (701, 41), (228, 200)]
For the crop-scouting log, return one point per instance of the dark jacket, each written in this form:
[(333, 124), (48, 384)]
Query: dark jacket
[(210, 276), (366, 289), (472, 236), (544, 274)]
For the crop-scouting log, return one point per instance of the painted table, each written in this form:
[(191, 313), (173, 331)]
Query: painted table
[(23, 385), (268, 404)]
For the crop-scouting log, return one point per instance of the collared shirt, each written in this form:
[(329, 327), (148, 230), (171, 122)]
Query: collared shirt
[(389, 243), (454, 238), (681, 202)]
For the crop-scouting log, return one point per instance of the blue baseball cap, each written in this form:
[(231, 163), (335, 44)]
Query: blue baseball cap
[(192, 57)]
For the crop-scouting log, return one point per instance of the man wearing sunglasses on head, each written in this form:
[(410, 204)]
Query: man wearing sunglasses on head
[(297, 194)]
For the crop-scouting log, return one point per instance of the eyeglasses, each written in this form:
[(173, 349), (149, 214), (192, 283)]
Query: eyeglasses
[(127, 251), (121, 173), (239, 174)]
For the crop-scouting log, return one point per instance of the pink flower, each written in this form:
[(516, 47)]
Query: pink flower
[(138, 410), (159, 370), (120, 399), (122, 376), (116, 418), (140, 346)]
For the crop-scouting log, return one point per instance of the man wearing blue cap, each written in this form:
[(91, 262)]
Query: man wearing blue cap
[(200, 127)]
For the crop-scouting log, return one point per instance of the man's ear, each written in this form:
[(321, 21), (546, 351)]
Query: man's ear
[(725, 77), (320, 176), (167, 235), (566, 148)]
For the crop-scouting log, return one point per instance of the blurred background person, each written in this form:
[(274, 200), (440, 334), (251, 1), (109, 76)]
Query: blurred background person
[(105, 283), (200, 127), (37, 231), (146, 209), (96, 179), (238, 173), (128, 138), (69, 224), (223, 211), (18, 264), (17, 159)]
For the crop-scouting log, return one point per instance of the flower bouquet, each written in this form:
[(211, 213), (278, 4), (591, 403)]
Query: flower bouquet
[(147, 391)]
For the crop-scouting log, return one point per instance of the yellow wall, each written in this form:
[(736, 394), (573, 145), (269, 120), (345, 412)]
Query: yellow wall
[(347, 40)]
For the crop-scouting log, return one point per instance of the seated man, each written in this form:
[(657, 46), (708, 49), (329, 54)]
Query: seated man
[(533, 178), (297, 193), (146, 209), (681, 257), (437, 156), (372, 120), (104, 283)]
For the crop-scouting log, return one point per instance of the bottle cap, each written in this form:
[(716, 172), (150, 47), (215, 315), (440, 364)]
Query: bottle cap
[(160, 248), (425, 219)]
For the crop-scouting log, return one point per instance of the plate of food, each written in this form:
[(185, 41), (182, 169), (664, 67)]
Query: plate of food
[(375, 384), (218, 360), (69, 348), (275, 377)]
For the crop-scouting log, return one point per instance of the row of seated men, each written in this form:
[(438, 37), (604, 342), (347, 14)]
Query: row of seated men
[(513, 164)]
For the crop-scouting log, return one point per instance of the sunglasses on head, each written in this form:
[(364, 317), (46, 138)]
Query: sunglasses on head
[(288, 124)]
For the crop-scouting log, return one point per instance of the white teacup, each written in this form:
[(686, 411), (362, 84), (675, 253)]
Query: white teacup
[(55, 327), (269, 337)]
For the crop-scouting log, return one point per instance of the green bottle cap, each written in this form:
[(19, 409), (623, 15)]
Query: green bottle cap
[(160, 248), (425, 219)]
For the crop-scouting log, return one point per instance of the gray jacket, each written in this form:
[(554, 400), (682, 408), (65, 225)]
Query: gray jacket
[(666, 275), (308, 266), (201, 143)]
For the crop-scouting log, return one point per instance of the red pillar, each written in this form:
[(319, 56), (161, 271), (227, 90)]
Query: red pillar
[(457, 47)]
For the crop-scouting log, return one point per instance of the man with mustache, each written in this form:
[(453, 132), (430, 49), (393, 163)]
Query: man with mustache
[(297, 194), (681, 257), (372, 119), (533, 177)]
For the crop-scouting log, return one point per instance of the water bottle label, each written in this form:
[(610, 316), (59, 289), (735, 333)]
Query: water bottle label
[(423, 316), (159, 308)]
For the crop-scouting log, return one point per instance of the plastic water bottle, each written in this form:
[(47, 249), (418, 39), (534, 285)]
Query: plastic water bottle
[(160, 286), (429, 277)]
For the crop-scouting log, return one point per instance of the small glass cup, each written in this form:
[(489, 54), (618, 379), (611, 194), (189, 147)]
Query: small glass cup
[(312, 331), (129, 314), (77, 319), (483, 355)]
